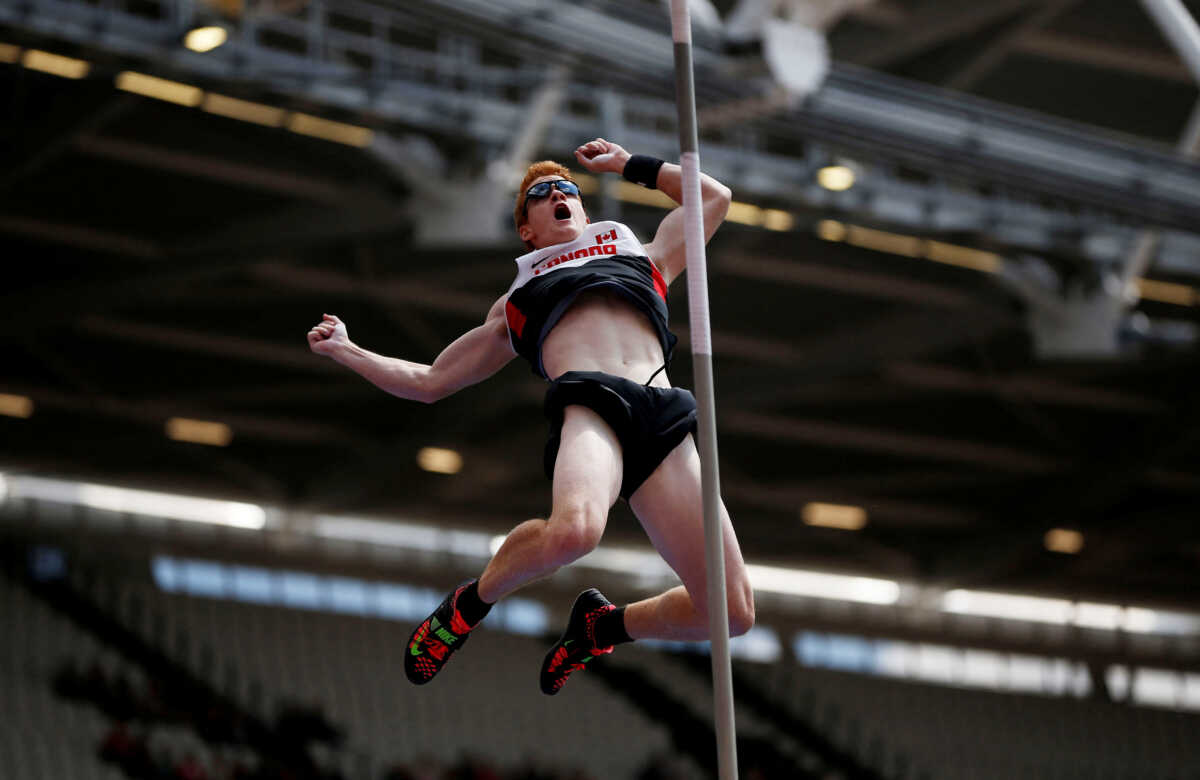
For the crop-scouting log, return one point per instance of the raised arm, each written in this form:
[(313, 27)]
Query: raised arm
[(667, 250), (471, 358)]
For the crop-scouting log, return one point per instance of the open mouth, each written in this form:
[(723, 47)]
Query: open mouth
[(562, 211)]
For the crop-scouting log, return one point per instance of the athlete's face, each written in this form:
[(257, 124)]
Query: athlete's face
[(558, 218)]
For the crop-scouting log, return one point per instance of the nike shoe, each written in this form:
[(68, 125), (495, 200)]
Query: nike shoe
[(435, 640), (577, 646)]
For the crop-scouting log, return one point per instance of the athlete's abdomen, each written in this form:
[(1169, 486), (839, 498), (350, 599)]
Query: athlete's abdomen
[(604, 331), (604, 297)]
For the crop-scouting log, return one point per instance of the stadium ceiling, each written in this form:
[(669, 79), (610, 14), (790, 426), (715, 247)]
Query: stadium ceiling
[(893, 346)]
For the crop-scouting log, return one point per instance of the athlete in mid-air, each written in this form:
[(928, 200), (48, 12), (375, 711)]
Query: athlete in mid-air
[(588, 310)]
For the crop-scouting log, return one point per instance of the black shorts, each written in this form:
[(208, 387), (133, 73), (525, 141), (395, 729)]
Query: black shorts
[(649, 421)]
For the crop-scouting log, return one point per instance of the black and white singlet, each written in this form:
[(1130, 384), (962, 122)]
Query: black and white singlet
[(606, 255)]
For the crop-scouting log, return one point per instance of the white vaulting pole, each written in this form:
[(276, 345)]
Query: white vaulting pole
[(718, 612)]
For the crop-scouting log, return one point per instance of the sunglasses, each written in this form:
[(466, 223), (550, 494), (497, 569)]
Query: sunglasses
[(543, 188)]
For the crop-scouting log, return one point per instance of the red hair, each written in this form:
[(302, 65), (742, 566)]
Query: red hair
[(536, 171)]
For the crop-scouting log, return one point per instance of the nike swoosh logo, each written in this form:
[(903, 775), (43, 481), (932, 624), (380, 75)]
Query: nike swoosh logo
[(415, 646)]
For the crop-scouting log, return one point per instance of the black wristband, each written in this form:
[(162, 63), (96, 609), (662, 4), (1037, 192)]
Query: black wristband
[(643, 169)]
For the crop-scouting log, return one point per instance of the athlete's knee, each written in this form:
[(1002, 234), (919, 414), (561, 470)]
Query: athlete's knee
[(575, 530), (741, 608)]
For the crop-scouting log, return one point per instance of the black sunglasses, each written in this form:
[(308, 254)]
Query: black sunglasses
[(542, 190)]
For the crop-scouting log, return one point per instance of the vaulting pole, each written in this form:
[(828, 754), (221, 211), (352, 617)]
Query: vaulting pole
[(718, 613)]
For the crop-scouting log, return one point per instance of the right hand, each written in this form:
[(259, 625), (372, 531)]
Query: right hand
[(328, 335), (600, 156)]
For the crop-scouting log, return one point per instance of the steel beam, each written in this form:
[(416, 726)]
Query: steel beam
[(856, 111)]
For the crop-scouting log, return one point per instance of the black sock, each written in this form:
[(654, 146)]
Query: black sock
[(472, 608), (610, 629)]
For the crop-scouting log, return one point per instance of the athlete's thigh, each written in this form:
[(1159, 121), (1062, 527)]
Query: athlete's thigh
[(588, 469), (670, 507)]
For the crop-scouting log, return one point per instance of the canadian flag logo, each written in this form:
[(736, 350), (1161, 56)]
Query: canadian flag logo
[(609, 236)]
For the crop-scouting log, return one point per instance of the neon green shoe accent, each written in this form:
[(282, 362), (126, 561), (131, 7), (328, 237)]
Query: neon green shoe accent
[(415, 646)]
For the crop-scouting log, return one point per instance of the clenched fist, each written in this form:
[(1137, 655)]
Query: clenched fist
[(602, 156), (327, 335)]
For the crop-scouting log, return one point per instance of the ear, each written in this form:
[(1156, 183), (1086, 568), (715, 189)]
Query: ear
[(525, 232)]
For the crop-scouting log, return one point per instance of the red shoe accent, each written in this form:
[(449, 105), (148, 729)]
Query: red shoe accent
[(560, 655), (427, 651), (591, 618), (577, 646), (457, 624)]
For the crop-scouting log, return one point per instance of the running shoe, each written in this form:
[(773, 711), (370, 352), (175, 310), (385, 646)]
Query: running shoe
[(435, 640), (577, 646)]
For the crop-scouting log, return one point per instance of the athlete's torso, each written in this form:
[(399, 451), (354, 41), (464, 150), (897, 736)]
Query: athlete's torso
[(595, 304)]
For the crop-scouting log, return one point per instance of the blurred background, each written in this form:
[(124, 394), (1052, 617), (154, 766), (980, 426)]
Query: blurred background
[(954, 311)]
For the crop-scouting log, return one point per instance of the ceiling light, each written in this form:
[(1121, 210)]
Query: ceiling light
[(952, 254), (159, 89), (629, 192), (1108, 617), (16, 406), (836, 177), (588, 185), (329, 130), (883, 241), (1167, 292), (439, 460), (1009, 606), (744, 213), (798, 582), (1062, 540), (243, 110), (415, 536), (846, 518), (55, 64), (139, 502), (1139, 620), (831, 230), (774, 219), (199, 432), (204, 39), (144, 502), (10, 53)]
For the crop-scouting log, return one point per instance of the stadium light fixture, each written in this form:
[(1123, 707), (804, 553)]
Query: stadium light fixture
[(1167, 292), (139, 502), (329, 130), (159, 89), (831, 230), (798, 582), (207, 38), (1063, 540), (16, 406), (845, 518), (745, 213), (774, 219), (243, 110), (55, 64), (1008, 606), (965, 257), (836, 178), (214, 434), (439, 460)]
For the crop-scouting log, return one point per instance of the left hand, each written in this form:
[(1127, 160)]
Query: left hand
[(600, 156)]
